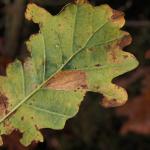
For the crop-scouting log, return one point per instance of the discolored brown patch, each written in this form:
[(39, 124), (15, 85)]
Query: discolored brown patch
[(3, 104), (113, 55), (117, 14), (111, 103), (68, 80), (118, 18), (112, 52), (126, 40), (10, 128)]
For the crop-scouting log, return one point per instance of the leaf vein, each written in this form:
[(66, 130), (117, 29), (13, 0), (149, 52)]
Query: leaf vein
[(47, 111)]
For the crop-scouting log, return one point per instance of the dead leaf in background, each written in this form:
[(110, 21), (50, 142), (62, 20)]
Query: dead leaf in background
[(137, 111)]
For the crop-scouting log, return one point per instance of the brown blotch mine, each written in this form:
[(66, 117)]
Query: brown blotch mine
[(68, 80)]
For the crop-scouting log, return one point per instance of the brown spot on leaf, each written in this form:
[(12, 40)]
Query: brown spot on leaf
[(68, 80), (97, 65), (111, 103), (126, 40), (84, 86), (117, 14), (118, 18), (3, 104), (113, 54), (8, 126)]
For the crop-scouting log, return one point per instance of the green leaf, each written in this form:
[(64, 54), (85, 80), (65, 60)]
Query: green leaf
[(76, 51)]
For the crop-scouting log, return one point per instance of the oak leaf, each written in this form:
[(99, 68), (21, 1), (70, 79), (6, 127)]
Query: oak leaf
[(76, 51)]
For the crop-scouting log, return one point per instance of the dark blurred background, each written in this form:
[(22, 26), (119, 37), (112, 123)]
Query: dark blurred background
[(94, 127)]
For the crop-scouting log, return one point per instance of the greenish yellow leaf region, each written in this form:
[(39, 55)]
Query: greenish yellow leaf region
[(76, 51)]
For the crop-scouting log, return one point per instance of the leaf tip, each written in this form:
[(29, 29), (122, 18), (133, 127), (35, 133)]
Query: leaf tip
[(107, 103), (115, 96)]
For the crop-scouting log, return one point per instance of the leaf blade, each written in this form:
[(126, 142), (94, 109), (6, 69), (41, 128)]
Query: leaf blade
[(76, 51)]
